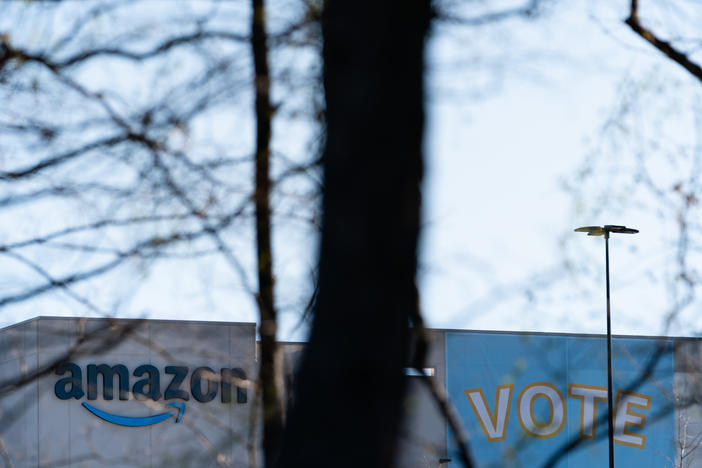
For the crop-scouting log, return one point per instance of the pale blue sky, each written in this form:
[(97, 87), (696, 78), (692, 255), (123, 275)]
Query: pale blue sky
[(497, 209), (514, 109)]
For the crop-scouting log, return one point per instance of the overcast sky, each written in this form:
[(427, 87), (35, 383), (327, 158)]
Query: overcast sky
[(497, 210), (515, 112)]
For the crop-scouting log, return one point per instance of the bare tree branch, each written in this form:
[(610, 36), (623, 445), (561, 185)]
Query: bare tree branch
[(437, 390), (61, 158), (187, 39), (527, 10), (270, 393), (666, 47)]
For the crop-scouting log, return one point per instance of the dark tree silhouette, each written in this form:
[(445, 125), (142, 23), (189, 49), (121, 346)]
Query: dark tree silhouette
[(348, 403)]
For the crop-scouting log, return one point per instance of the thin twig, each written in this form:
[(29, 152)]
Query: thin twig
[(437, 391)]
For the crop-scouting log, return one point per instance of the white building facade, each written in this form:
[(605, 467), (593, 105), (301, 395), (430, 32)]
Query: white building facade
[(153, 393)]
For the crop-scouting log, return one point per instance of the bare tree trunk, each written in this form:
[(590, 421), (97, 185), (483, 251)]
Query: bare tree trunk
[(272, 414), (348, 402)]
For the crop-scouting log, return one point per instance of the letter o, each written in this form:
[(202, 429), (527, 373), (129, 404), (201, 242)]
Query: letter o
[(557, 414), (196, 379)]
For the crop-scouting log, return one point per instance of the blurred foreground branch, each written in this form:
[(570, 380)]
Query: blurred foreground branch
[(664, 46)]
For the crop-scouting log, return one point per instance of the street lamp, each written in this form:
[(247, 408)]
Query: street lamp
[(605, 231)]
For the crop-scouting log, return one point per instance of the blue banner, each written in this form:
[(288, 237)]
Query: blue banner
[(529, 399)]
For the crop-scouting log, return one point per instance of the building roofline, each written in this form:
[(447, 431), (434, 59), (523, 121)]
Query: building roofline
[(440, 330), (123, 320), (547, 333)]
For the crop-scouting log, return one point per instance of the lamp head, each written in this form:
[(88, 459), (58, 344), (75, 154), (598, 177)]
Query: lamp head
[(620, 229), (606, 229), (591, 230)]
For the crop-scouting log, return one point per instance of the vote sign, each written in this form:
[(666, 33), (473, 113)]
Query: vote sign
[(525, 397)]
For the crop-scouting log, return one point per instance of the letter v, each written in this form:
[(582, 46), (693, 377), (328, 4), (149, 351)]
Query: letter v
[(494, 424)]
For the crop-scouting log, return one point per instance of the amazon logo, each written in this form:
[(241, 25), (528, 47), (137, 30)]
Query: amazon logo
[(203, 386)]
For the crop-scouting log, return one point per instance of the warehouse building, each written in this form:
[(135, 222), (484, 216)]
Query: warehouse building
[(156, 393)]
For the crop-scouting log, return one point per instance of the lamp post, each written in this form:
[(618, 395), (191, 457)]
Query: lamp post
[(605, 231)]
